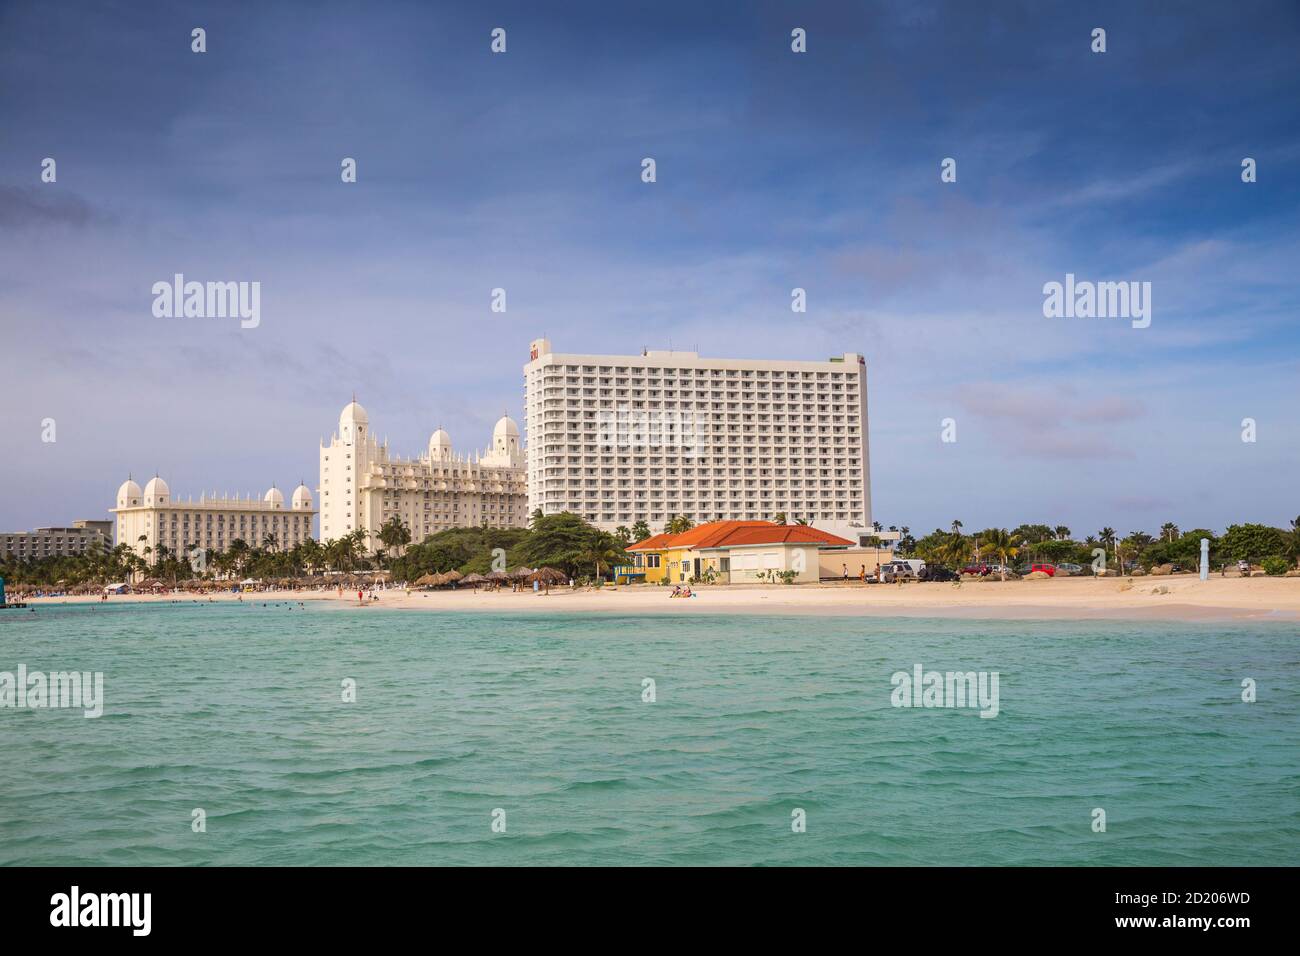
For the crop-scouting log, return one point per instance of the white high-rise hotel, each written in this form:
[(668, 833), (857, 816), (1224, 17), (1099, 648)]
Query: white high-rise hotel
[(626, 438)]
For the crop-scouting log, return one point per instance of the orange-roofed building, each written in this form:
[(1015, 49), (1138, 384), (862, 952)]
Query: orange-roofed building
[(735, 552)]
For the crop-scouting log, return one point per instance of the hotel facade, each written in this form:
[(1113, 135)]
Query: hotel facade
[(151, 518), (362, 485), (626, 438), (84, 535)]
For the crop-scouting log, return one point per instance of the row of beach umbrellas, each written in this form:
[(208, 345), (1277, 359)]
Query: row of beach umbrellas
[(523, 575)]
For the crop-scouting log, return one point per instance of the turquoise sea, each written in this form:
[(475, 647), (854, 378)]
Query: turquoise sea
[(238, 710)]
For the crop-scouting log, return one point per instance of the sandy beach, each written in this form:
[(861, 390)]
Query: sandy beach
[(1179, 597)]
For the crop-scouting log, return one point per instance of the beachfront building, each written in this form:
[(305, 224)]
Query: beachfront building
[(363, 485), (156, 525), (84, 535), (733, 552), (619, 439)]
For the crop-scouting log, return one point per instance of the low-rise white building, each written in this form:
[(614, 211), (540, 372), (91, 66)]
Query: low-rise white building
[(155, 525)]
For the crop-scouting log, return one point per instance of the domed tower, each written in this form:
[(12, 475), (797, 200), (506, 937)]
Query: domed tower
[(156, 492), (129, 495), (440, 446), (353, 424), (274, 497), (505, 442), (301, 498)]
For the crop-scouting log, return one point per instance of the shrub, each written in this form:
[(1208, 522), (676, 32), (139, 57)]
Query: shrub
[(1276, 566)]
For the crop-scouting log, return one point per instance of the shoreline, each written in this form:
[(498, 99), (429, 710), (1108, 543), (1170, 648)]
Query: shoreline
[(1179, 598)]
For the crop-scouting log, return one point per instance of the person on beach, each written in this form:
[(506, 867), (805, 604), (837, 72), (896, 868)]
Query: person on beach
[(846, 571), (862, 575)]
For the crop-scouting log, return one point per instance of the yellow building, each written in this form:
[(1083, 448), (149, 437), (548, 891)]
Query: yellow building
[(734, 552)]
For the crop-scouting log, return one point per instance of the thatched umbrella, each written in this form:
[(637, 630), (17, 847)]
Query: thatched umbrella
[(548, 576), (497, 576), (474, 580), (520, 574), (452, 576), (427, 581)]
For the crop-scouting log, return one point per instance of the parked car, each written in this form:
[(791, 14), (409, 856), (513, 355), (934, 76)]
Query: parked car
[(901, 571), (982, 570), (1048, 569), (933, 573), (1069, 569)]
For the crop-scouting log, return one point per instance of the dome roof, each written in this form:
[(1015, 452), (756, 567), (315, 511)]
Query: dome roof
[(128, 491), (301, 497), (156, 488), (352, 412), (506, 428), (440, 439), (275, 497)]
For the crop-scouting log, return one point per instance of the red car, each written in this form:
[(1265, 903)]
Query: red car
[(983, 570), (1048, 569)]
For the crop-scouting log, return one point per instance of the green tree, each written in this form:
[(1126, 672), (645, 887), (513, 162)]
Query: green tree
[(1253, 542), (1003, 543), (395, 534), (640, 531), (679, 524)]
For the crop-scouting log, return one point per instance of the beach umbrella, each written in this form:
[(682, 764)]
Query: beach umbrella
[(474, 579), (452, 575), (548, 576), (520, 574), (497, 576)]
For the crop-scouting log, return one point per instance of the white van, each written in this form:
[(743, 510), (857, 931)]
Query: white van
[(902, 569)]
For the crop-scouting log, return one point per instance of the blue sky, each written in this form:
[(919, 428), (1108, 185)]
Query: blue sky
[(775, 170)]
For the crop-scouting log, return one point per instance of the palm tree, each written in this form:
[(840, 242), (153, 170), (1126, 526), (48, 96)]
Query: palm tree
[(802, 521), (360, 544), (1169, 531), (956, 527), (1062, 532), (678, 524), (1002, 543), (395, 534), (1107, 537), (603, 551), (779, 518), (640, 531), (270, 543)]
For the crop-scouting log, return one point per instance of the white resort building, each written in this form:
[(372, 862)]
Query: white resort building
[(153, 519), (626, 438), (362, 485)]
